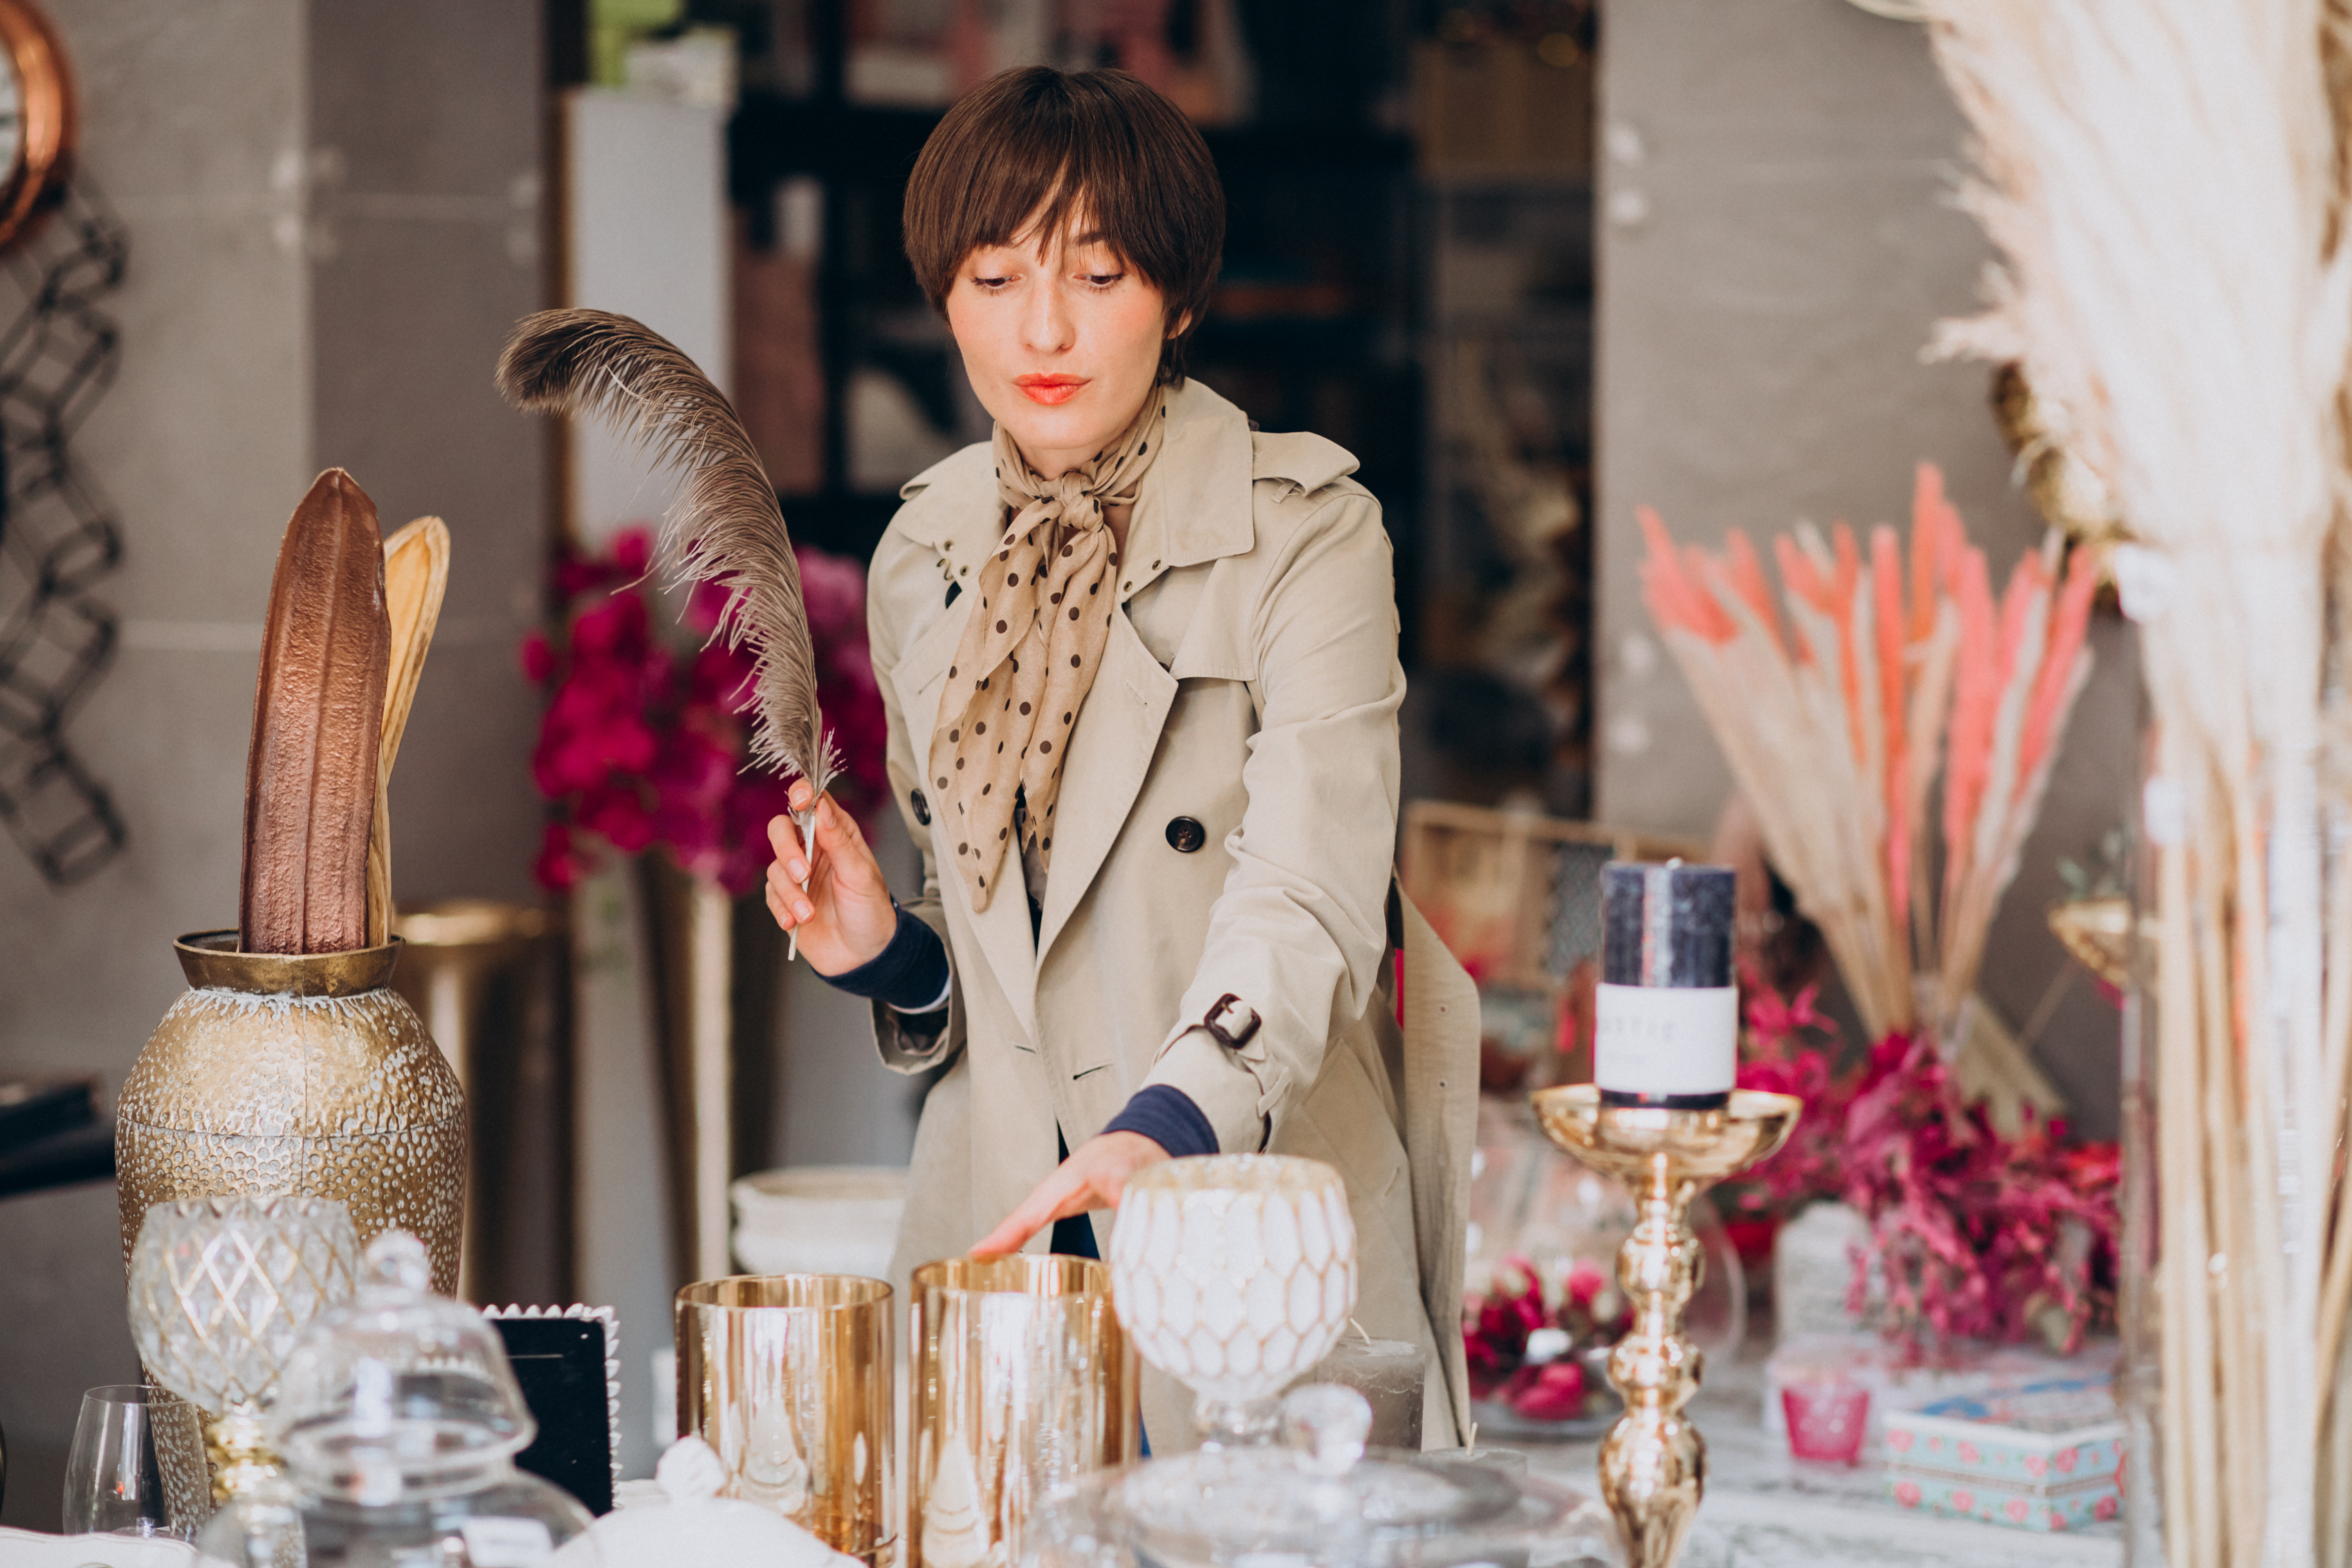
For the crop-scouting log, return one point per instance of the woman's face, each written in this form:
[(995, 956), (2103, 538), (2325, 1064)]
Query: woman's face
[(1061, 339)]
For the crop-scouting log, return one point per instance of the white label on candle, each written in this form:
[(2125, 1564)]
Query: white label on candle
[(1666, 1040)]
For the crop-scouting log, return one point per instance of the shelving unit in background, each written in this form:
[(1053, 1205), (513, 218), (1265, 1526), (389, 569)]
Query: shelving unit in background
[(1313, 325), (1507, 345), (1407, 270)]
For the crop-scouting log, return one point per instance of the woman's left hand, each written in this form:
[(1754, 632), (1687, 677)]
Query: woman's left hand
[(1092, 1178)]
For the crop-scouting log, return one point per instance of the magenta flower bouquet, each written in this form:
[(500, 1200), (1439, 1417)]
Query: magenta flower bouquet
[(645, 744), (1980, 1234)]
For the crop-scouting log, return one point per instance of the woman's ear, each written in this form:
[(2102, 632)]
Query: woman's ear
[(1176, 328)]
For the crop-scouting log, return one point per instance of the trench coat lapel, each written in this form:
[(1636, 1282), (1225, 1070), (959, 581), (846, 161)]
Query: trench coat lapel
[(1002, 928), (1111, 749), (1195, 508)]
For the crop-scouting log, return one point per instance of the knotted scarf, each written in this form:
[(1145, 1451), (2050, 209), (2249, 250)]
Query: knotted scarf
[(1031, 649)]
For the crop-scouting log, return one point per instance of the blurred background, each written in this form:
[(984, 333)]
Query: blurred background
[(1531, 262)]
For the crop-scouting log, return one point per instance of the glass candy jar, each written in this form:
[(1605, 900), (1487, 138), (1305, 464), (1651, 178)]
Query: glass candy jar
[(398, 1420), (1318, 1500)]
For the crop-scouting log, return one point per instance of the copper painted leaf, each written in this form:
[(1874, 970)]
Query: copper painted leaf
[(318, 713)]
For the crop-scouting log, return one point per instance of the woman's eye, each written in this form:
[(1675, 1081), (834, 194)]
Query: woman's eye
[(992, 284), (1104, 279)]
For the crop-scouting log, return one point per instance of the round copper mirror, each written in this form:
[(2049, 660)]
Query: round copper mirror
[(37, 120)]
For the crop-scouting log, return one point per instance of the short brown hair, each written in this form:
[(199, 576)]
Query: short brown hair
[(1057, 145)]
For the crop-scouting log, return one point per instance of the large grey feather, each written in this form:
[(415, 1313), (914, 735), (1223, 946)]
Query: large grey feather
[(725, 527)]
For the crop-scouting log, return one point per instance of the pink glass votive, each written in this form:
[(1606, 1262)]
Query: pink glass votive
[(1827, 1420)]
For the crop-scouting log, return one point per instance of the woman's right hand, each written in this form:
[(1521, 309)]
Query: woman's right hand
[(830, 890)]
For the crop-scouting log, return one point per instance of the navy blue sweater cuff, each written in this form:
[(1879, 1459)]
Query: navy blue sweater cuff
[(1167, 1115), (909, 974)]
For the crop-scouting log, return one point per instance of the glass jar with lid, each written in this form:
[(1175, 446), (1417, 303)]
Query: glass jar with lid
[(1320, 1498), (398, 1420)]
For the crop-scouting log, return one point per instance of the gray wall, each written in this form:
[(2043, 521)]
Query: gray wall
[(245, 367), (1777, 242), (427, 124)]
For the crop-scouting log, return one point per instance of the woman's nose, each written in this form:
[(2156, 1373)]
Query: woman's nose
[(1048, 326)]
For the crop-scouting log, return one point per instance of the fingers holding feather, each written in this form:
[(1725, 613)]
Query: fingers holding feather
[(792, 856), (789, 905)]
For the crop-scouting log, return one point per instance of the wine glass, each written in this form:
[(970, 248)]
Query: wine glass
[(1233, 1274), (220, 1290), (114, 1485)]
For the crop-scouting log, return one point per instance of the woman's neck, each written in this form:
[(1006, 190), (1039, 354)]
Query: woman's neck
[(1056, 465)]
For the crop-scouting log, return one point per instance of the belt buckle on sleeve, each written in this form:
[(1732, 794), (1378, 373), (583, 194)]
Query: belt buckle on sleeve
[(1232, 1022)]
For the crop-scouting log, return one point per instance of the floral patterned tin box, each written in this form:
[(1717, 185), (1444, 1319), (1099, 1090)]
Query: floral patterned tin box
[(2045, 1456)]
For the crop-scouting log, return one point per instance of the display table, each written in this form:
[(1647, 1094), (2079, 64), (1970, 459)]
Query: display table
[(1765, 1511)]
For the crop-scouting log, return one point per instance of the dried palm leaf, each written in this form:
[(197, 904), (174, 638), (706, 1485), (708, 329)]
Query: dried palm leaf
[(317, 710), (415, 572)]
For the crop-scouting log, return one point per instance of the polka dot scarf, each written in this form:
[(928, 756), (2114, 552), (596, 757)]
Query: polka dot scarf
[(1030, 651)]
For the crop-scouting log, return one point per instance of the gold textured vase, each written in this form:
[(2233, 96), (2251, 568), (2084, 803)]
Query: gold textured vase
[(296, 1074)]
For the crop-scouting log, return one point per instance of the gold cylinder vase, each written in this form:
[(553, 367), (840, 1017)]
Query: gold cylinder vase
[(788, 1378), (1024, 1380), (296, 1074)]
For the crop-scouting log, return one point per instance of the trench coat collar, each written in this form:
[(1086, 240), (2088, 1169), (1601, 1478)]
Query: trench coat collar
[(1195, 504)]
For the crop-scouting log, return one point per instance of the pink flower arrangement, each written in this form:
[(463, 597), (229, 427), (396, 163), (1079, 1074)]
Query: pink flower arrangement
[(1787, 1049), (1497, 1336), (1978, 1235), (1498, 1325), (641, 744)]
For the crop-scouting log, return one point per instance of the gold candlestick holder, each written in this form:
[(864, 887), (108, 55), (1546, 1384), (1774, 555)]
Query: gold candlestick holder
[(1653, 1461)]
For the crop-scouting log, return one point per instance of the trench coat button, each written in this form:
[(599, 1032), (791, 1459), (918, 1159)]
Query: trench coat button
[(922, 808), (1185, 835)]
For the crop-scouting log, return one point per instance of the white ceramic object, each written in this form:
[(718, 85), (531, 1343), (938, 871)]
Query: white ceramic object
[(1235, 1273), (689, 1522), (1812, 1273), (25, 1548), (819, 1219)]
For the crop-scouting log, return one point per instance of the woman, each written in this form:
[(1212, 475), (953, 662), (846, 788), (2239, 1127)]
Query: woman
[(1140, 665)]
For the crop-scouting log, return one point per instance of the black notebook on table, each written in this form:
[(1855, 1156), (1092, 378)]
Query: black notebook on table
[(568, 1371)]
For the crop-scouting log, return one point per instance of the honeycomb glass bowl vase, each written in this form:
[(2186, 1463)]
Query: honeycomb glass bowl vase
[(221, 1291), (296, 1072), (1233, 1274)]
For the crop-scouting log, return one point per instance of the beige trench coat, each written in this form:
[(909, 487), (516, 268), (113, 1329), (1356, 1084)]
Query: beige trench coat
[(1251, 685)]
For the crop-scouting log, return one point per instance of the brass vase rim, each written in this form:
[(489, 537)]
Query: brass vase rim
[(1042, 1276), (211, 962), (704, 1294)]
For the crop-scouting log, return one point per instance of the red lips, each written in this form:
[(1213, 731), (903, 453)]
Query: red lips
[(1049, 389)]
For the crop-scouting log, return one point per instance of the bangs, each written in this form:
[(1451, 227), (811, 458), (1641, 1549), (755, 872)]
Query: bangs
[(1035, 151)]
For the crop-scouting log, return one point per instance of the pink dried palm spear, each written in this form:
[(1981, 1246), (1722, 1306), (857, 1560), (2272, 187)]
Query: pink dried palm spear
[(1836, 731)]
